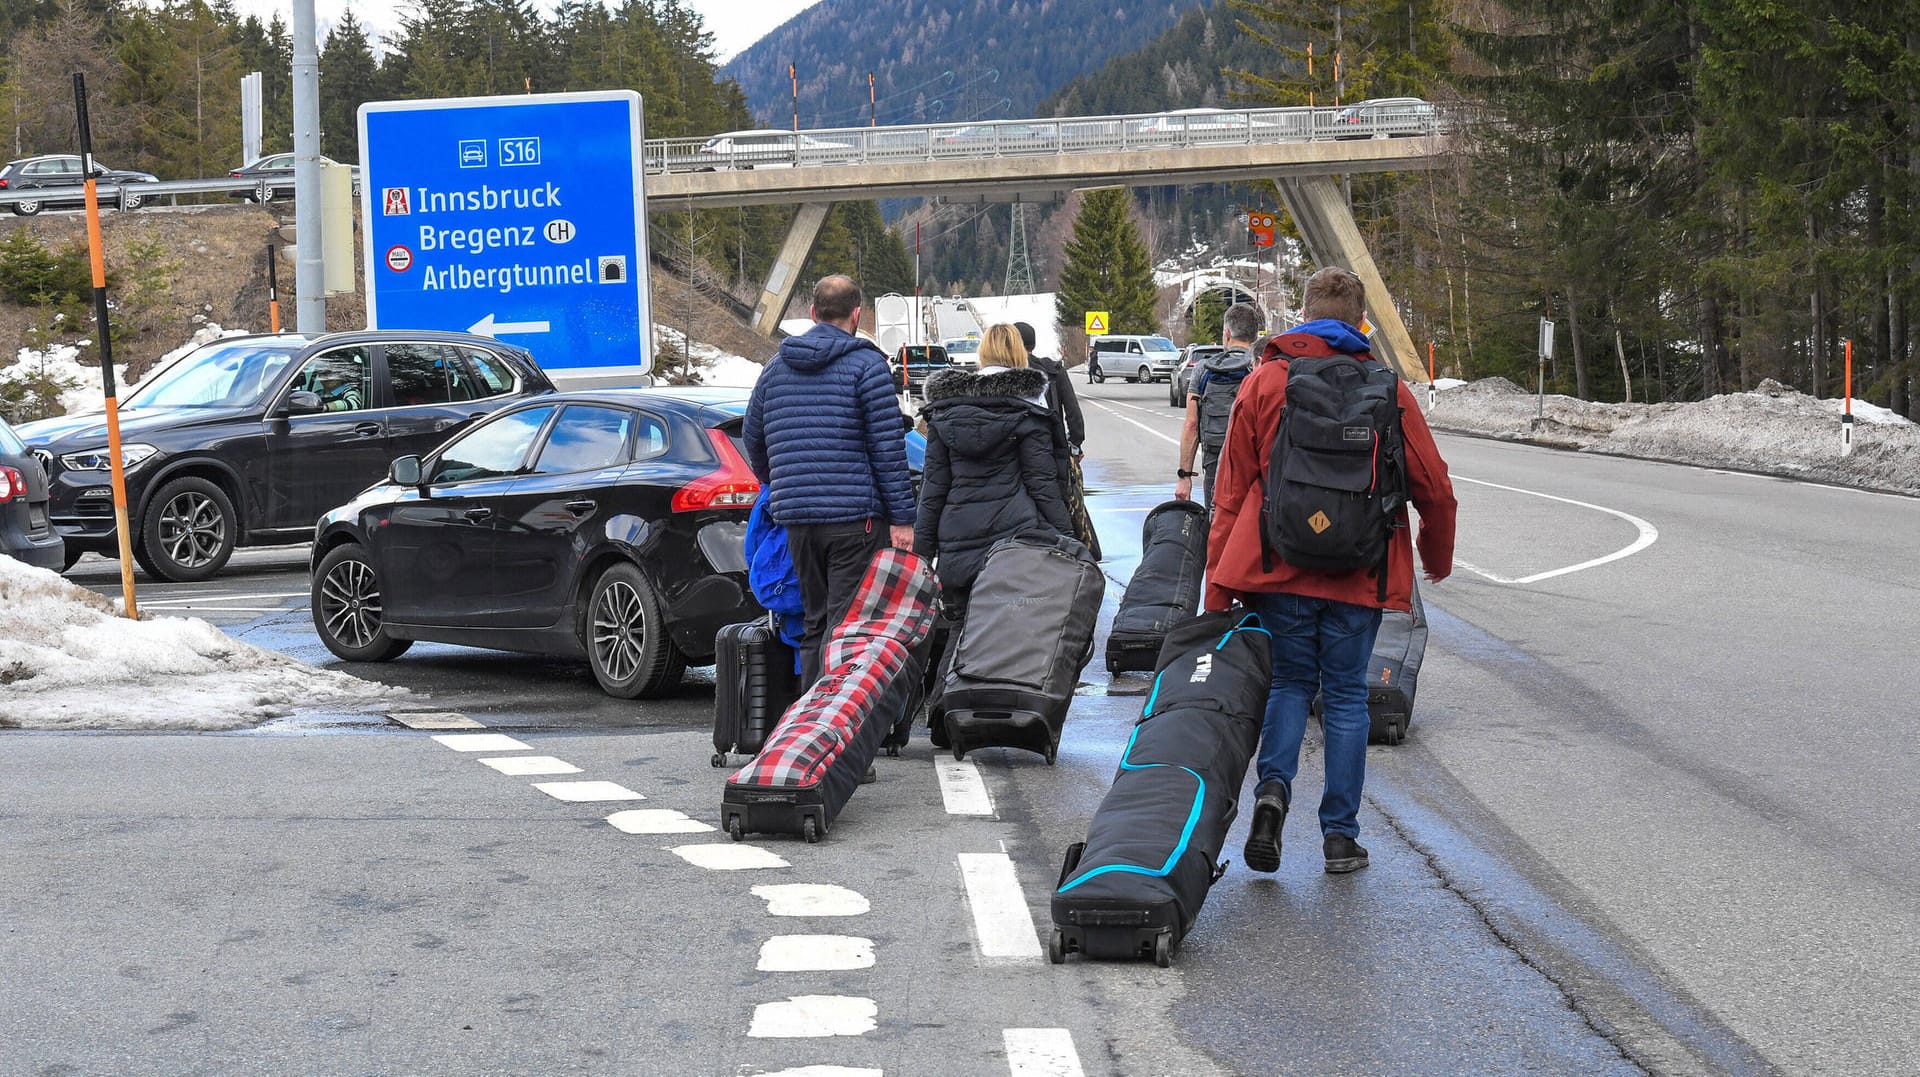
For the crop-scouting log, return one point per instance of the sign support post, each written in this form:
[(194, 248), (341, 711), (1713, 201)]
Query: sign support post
[(1546, 353), (116, 466)]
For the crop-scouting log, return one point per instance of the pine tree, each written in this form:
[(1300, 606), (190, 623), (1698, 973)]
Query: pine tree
[(349, 77), (1107, 267)]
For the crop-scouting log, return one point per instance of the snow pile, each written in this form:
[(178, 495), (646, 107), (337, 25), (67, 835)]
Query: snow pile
[(711, 365), (69, 661), (1773, 429), (78, 385), (1035, 310)]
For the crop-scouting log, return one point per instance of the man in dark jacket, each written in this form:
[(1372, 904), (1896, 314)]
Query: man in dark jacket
[(1323, 623), (824, 435), (1060, 395), (1210, 398)]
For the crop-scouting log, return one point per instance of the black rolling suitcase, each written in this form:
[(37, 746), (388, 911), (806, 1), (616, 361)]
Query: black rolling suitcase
[(1165, 588), (754, 682), (815, 758), (1017, 658), (1134, 888), (1394, 672)]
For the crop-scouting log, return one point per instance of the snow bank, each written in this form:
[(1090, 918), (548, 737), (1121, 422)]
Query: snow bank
[(79, 384), (1035, 310), (1774, 429), (712, 366), (69, 661)]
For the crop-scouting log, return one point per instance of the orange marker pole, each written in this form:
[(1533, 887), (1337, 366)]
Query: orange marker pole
[(793, 72), (117, 467), (1309, 74), (273, 291), (1846, 416), (1429, 375)]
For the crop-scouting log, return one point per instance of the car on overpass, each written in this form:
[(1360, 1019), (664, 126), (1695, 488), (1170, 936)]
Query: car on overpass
[(277, 172), (1387, 117), (55, 180), (245, 441), (26, 532), (761, 149)]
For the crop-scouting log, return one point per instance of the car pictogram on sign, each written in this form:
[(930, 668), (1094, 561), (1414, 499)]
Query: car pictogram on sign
[(399, 258)]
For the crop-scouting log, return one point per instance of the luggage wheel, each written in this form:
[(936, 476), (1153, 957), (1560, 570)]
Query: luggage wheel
[(734, 829), (1057, 947), (959, 753), (1163, 949), (893, 751), (717, 760), (810, 830), (1051, 753)]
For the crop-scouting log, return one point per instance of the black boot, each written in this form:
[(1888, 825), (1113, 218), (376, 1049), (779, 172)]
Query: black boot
[(1262, 851), (1344, 854)]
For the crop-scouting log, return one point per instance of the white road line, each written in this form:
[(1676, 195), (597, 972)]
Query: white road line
[(962, 788), (435, 720), (1041, 1052), (1001, 921), (812, 899), (808, 1016), (815, 953), (728, 856), (821, 1071), (480, 742), (526, 766), (182, 607), (1648, 535), (656, 821), (586, 792), (1134, 422)]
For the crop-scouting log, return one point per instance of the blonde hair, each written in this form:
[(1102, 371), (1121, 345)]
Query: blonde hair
[(1002, 346)]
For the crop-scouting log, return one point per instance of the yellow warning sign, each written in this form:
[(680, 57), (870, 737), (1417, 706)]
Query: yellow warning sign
[(1097, 322), (1319, 522)]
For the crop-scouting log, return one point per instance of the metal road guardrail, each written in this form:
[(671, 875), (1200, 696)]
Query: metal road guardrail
[(1007, 138), (110, 194)]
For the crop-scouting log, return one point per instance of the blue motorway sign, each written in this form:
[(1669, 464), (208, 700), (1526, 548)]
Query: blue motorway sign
[(520, 218)]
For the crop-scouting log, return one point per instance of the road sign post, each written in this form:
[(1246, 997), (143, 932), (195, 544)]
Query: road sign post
[(1846, 416), (1546, 353), (522, 218)]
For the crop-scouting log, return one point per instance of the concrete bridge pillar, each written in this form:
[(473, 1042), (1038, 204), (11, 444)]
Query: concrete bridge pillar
[(1333, 238), (785, 275)]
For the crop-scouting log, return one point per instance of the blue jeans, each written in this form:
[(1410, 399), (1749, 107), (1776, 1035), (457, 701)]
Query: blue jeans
[(1318, 646)]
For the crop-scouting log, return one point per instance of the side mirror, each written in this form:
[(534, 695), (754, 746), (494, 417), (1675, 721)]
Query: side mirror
[(405, 471), (302, 402)]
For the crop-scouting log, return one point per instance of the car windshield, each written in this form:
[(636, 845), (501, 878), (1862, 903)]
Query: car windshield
[(9, 441), (220, 375), (1158, 344), (967, 346)]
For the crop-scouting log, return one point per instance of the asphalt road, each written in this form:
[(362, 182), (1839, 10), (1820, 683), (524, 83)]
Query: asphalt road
[(1655, 813)]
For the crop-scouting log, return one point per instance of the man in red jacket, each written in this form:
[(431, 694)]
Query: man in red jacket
[(1323, 623)]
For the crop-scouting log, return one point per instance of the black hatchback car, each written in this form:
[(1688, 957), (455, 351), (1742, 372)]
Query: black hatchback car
[(606, 524), (25, 531), (247, 440)]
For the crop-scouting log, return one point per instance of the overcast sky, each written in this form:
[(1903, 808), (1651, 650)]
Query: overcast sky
[(734, 24)]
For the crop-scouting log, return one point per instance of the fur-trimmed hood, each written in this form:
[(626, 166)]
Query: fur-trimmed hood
[(1022, 383)]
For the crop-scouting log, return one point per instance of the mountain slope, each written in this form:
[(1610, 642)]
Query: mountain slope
[(938, 60)]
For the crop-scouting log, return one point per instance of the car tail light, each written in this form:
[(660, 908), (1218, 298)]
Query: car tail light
[(3, 183), (12, 484), (731, 486), (236, 175)]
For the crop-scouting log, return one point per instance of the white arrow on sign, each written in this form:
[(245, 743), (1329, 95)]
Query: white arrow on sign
[(487, 327)]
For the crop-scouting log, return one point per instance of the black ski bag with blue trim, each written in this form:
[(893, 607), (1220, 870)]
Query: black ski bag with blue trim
[(1134, 888)]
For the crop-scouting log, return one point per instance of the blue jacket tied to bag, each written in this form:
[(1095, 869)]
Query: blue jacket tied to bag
[(823, 433), (770, 572)]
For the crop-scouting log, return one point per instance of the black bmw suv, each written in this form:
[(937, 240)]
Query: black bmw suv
[(247, 440)]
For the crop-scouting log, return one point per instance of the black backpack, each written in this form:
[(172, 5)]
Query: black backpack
[(1224, 375), (1337, 479)]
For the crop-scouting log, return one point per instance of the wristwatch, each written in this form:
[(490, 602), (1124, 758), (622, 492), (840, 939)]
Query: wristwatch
[(1183, 473)]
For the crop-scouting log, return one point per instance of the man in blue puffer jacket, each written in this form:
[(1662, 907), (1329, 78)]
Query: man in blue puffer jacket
[(825, 436)]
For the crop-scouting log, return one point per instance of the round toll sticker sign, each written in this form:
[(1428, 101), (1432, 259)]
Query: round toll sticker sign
[(399, 258)]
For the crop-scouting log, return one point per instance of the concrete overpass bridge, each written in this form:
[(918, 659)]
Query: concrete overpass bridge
[(1301, 149)]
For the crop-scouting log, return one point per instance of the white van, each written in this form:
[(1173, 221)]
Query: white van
[(1135, 358)]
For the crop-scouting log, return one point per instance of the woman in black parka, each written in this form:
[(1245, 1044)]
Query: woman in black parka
[(992, 463)]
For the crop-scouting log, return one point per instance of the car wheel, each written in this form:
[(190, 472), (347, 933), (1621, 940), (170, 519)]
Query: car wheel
[(26, 209), (347, 609), (131, 201), (1146, 374), (626, 637), (188, 531)]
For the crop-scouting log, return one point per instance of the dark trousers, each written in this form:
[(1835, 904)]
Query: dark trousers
[(831, 559)]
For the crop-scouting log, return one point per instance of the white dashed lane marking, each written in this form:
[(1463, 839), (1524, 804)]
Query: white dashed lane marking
[(656, 821), (587, 792), (962, 788), (823, 1071), (1041, 1052), (441, 720), (812, 899), (731, 856), (523, 766), (1134, 422), (1001, 921), (808, 1016), (815, 953), (480, 742)]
